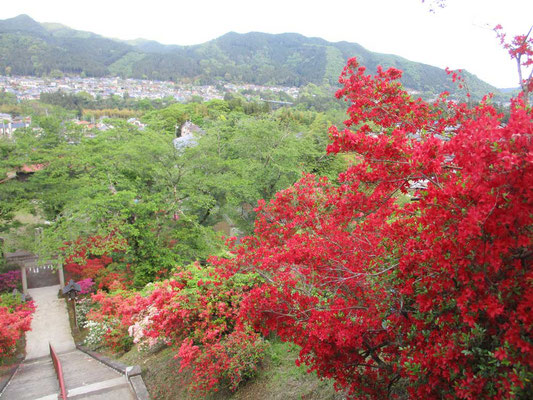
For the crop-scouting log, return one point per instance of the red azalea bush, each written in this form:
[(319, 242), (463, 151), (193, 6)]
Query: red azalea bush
[(412, 276), (111, 279), (198, 314), (15, 319), (89, 258), (231, 360), (195, 312), (89, 268)]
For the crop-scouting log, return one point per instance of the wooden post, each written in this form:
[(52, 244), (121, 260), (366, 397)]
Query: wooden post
[(61, 276), (74, 310), (24, 279)]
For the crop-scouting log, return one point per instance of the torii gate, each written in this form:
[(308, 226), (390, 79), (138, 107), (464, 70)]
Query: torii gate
[(25, 259)]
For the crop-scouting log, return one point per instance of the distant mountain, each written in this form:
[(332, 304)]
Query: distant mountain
[(511, 91), (31, 48)]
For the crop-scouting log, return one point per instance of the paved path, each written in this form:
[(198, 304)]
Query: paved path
[(50, 324), (85, 377)]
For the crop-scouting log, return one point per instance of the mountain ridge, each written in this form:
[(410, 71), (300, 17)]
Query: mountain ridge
[(28, 47)]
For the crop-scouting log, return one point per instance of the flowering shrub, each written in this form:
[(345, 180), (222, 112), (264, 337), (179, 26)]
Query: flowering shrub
[(231, 360), (107, 332), (430, 298), (86, 285), (96, 334), (87, 269), (113, 280), (83, 307), (93, 246), (117, 338), (195, 312), (137, 331), (10, 280), (89, 260), (115, 313), (15, 319), (198, 314)]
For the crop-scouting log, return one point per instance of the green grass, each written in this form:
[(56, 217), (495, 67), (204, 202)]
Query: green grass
[(280, 378)]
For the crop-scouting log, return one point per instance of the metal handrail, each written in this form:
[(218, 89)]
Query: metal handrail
[(59, 372)]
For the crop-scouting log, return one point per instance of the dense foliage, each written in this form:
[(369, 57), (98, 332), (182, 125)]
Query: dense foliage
[(160, 201), (430, 297)]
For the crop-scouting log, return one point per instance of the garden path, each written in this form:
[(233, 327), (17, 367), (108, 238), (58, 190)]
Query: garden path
[(85, 377)]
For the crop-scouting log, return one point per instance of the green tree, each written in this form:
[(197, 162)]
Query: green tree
[(119, 182)]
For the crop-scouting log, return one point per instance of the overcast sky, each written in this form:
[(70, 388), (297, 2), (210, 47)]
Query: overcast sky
[(458, 36)]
